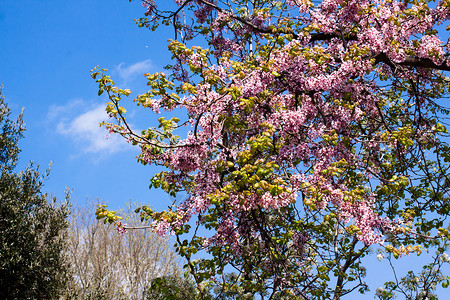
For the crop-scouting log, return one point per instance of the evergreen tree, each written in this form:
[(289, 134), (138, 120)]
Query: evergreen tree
[(32, 260)]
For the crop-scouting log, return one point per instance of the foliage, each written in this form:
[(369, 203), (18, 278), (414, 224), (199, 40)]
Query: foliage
[(32, 260), (172, 288), (108, 265), (316, 133), (418, 286)]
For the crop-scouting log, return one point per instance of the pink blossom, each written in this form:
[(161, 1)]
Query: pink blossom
[(430, 47)]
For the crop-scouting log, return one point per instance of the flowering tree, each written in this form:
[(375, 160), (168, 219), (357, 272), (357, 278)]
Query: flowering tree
[(315, 130)]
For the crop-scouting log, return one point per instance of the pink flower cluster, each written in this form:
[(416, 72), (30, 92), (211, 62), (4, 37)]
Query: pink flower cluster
[(430, 47)]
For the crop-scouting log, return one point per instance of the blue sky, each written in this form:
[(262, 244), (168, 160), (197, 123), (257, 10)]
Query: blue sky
[(48, 49)]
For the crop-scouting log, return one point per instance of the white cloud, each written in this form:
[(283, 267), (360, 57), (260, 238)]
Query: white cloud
[(139, 68), (84, 129), (62, 112)]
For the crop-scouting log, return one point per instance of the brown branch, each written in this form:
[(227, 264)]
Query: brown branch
[(352, 257), (242, 20), (412, 62)]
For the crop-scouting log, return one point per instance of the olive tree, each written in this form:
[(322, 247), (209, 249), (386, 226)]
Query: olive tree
[(32, 247)]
